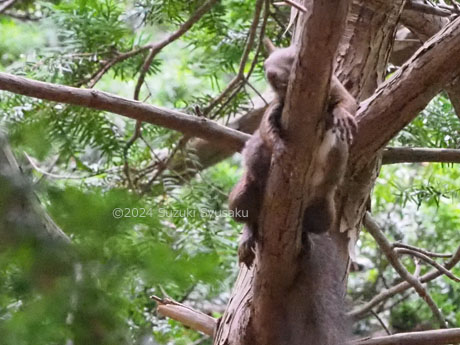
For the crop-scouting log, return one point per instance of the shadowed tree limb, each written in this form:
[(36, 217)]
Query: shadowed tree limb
[(392, 155), (387, 249), (21, 215), (438, 337)]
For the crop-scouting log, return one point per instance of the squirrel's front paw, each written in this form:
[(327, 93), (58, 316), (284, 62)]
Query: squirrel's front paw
[(246, 248), (345, 123)]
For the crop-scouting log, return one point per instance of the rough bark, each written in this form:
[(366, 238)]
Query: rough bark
[(369, 31), (419, 80), (424, 26)]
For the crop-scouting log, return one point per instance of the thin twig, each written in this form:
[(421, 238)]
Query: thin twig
[(96, 76), (244, 58), (381, 322), (429, 261), (191, 125), (361, 311), (163, 164), (386, 248), (392, 155), (55, 176), (420, 250), (293, 4), (245, 79), (155, 49)]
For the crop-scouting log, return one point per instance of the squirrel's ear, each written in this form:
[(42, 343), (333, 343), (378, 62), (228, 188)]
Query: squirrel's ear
[(269, 46)]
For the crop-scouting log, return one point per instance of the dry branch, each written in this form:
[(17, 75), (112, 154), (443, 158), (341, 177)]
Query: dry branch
[(189, 317), (386, 248), (392, 155), (438, 337), (420, 250), (190, 125)]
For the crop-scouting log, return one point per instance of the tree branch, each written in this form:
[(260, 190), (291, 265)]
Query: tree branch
[(200, 127), (392, 155), (420, 250), (427, 9), (386, 248), (157, 47), (401, 287), (189, 317), (6, 5), (154, 48), (438, 337), (428, 260), (244, 58), (292, 3), (425, 26), (399, 100)]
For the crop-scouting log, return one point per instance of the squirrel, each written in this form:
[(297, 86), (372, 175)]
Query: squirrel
[(247, 195)]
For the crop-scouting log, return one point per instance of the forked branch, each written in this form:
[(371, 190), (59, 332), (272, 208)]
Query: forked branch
[(386, 248)]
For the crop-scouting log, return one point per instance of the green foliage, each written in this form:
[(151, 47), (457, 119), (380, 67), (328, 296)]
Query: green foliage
[(173, 237)]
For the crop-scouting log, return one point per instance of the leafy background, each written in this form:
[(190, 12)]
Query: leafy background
[(97, 290)]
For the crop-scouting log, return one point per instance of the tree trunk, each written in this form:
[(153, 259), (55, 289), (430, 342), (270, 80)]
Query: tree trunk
[(362, 55)]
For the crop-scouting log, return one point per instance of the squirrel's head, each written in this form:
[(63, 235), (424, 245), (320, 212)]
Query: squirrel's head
[(278, 67)]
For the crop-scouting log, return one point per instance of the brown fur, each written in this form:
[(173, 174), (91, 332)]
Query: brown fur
[(330, 162)]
